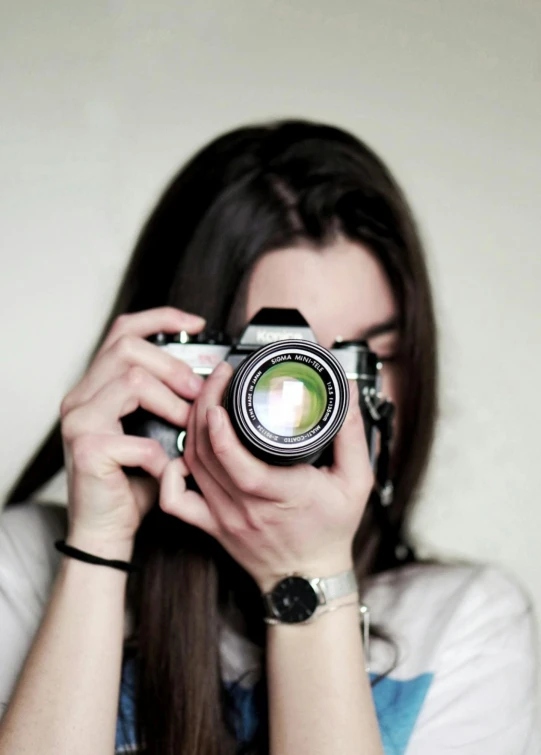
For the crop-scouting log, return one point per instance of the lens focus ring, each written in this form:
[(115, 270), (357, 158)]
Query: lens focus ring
[(288, 400)]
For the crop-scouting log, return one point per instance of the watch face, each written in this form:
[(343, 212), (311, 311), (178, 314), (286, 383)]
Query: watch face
[(294, 600)]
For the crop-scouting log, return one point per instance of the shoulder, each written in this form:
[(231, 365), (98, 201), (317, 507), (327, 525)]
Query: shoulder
[(28, 558), (448, 581), (28, 564), (428, 607), (27, 535), (445, 587)]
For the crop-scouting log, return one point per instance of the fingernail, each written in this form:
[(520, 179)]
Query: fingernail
[(222, 369), (197, 319), (195, 383), (214, 419)]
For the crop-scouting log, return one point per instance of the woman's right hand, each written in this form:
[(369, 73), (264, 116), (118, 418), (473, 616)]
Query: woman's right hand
[(105, 505)]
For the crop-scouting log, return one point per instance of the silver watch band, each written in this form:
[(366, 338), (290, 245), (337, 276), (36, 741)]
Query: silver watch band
[(336, 586)]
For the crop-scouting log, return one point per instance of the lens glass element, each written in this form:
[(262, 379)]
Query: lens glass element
[(289, 399)]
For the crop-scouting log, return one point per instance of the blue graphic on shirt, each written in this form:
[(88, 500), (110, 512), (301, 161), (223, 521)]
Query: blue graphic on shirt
[(397, 704), (126, 737)]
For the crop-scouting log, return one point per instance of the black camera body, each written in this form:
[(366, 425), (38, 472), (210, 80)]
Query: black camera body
[(288, 396)]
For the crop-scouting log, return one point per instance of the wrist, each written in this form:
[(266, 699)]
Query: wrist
[(340, 607), (109, 546)]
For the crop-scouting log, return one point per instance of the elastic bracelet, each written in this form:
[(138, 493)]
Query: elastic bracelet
[(68, 550)]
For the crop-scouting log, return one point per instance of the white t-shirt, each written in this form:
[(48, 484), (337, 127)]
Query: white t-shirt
[(464, 681)]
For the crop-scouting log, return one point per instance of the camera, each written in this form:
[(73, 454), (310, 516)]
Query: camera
[(288, 396)]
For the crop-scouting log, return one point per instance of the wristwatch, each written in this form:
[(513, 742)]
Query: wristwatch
[(297, 599)]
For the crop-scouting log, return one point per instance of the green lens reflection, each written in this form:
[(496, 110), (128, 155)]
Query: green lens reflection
[(289, 399)]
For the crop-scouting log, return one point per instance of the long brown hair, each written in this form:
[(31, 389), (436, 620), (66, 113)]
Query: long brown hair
[(252, 190)]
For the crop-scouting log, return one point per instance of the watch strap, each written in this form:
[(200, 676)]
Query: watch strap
[(338, 585)]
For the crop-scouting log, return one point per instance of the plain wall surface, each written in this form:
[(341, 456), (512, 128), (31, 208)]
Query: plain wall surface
[(101, 102)]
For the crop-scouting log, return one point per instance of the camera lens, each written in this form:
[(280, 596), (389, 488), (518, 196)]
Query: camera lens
[(288, 400)]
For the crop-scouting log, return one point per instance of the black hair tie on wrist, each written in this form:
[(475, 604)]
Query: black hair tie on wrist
[(68, 550)]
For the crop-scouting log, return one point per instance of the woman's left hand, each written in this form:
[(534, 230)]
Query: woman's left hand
[(272, 520)]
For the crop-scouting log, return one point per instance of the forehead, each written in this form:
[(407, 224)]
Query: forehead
[(341, 290)]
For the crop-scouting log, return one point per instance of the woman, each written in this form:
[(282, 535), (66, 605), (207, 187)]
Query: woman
[(288, 215)]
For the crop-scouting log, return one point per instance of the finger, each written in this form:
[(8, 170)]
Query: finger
[(212, 485), (250, 475), (129, 351), (351, 460), (185, 504), (136, 388), (103, 455), (221, 500), (151, 321), (145, 492), (211, 395)]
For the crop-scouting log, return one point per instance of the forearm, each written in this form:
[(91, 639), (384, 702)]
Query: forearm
[(66, 699), (320, 699)]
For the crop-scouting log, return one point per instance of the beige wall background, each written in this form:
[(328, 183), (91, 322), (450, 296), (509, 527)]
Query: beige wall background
[(102, 101)]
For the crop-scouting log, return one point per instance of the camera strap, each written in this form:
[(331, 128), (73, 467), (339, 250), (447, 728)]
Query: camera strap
[(384, 490)]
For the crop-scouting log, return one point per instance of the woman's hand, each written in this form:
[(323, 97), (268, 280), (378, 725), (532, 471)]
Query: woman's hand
[(127, 372), (272, 520)]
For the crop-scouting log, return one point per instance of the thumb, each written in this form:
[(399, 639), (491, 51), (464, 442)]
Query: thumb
[(185, 504)]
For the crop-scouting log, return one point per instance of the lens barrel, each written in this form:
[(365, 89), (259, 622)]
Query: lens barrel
[(287, 401)]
